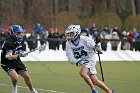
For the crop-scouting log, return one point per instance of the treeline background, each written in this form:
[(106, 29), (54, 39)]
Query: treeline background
[(60, 13)]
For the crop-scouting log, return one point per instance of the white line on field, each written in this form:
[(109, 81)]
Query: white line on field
[(36, 88)]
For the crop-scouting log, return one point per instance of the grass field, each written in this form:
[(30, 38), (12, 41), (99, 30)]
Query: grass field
[(62, 77)]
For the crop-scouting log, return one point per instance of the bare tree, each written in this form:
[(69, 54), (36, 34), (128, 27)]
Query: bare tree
[(133, 7), (123, 9), (137, 5)]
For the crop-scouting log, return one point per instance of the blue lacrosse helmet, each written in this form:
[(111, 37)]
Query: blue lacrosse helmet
[(16, 32), (16, 29)]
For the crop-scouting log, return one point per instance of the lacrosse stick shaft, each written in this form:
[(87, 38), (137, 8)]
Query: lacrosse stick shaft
[(32, 50), (2, 64), (101, 67), (43, 65), (35, 49)]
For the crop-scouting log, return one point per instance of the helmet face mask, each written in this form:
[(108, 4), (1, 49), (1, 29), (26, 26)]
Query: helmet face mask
[(17, 33), (20, 35), (69, 36), (72, 32)]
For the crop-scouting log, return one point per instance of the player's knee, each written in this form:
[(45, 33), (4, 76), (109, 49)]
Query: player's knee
[(95, 81), (27, 78), (83, 75), (14, 78), (25, 75)]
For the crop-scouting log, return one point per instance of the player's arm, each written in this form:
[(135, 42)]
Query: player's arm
[(9, 55), (92, 44), (70, 55)]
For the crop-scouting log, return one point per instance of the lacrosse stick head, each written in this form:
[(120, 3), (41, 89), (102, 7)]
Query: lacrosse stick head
[(42, 47)]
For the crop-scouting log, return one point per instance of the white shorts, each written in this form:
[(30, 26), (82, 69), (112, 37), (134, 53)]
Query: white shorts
[(91, 67)]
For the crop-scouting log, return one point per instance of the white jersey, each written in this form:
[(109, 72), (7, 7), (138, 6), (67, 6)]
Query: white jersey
[(83, 50)]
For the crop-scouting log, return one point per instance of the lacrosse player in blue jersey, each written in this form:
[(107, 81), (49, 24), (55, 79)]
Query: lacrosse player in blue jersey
[(80, 51), (10, 58)]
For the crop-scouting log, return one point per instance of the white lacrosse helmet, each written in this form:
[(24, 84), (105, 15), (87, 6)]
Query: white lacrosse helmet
[(72, 32)]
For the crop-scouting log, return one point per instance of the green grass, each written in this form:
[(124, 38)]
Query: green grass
[(124, 77)]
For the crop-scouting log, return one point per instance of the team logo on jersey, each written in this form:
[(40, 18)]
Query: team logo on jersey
[(79, 48)]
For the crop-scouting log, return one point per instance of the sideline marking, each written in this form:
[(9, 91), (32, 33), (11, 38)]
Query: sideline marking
[(35, 88)]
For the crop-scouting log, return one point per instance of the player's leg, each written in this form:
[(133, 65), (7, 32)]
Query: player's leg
[(14, 78), (84, 74), (92, 74), (28, 81), (22, 70), (8, 68), (100, 84)]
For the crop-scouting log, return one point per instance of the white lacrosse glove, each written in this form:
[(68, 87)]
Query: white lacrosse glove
[(81, 62), (98, 49), (8, 55), (22, 53), (42, 47)]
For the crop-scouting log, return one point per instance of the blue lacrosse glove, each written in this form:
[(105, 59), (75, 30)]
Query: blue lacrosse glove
[(22, 53), (81, 62)]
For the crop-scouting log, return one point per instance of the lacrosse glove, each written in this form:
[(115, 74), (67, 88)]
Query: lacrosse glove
[(98, 49), (82, 62)]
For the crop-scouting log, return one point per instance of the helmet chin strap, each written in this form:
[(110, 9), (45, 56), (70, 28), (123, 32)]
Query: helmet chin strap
[(75, 41), (19, 40)]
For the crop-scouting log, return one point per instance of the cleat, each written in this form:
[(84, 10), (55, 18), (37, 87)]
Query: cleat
[(34, 91), (94, 91), (14, 90), (113, 91)]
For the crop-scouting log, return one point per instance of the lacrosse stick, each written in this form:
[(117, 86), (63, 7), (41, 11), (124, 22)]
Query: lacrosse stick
[(101, 66), (2, 64), (41, 48), (43, 65), (98, 51)]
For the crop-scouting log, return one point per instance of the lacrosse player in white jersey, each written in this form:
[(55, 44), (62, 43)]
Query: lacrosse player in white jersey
[(80, 51)]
